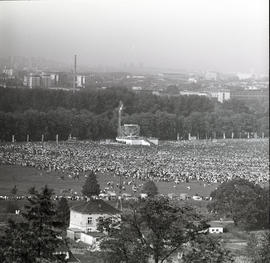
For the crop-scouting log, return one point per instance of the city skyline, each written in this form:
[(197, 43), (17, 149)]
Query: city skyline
[(229, 36)]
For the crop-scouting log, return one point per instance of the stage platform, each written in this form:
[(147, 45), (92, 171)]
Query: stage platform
[(137, 141)]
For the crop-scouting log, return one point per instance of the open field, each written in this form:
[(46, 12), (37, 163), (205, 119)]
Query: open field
[(192, 167), (25, 177)]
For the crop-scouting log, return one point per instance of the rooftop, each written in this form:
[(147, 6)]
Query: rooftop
[(95, 206)]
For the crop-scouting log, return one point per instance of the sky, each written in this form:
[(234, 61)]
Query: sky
[(219, 35)]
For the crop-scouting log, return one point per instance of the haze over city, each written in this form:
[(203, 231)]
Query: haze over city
[(226, 36)]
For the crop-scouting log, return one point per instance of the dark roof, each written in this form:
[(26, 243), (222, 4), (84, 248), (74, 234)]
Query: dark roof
[(95, 206), (96, 234)]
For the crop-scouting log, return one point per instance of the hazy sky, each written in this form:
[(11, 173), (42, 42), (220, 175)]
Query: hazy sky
[(222, 35)]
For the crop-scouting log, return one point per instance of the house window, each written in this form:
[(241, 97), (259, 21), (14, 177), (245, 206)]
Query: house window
[(89, 220)]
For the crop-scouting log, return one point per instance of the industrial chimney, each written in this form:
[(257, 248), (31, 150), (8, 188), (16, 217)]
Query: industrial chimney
[(75, 73)]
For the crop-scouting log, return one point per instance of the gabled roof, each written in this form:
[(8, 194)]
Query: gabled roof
[(95, 206)]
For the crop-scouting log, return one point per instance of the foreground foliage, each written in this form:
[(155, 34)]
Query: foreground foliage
[(258, 247), (34, 239), (159, 230), (246, 203)]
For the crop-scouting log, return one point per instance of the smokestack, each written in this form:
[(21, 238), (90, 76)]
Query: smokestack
[(75, 73)]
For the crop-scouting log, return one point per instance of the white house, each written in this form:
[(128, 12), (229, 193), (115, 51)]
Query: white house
[(84, 220), (216, 227)]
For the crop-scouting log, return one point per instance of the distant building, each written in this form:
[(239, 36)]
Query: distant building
[(192, 80), (54, 79), (221, 96), (9, 72), (41, 80), (196, 93), (45, 80), (34, 81), (80, 81), (245, 76)]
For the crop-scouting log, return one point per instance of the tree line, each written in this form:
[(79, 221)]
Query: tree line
[(93, 115)]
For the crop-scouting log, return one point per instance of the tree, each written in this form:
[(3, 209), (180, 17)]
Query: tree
[(91, 187), (32, 190), (245, 202), (258, 247), (63, 212), (150, 189), (204, 249), (152, 228), (14, 190), (12, 205), (35, 238)]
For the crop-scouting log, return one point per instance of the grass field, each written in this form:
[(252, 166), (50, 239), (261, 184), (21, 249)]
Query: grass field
[(24, 178)]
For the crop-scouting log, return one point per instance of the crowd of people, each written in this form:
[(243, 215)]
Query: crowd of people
[(182, 161)]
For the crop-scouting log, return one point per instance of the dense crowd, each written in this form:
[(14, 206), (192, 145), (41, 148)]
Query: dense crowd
[(182, 161)]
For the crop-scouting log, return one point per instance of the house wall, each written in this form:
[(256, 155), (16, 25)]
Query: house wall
[(79, 220), (215, 230), (87, 239)]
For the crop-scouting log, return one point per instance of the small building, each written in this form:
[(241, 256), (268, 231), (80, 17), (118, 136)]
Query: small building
[(216, 227), (86, 215), (84, 219)]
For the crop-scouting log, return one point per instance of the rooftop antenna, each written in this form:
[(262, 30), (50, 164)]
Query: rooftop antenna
[(75, 73)]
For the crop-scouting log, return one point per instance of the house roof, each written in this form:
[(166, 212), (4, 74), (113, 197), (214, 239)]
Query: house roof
[(95, 206), (95, 234), (216, 224)]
